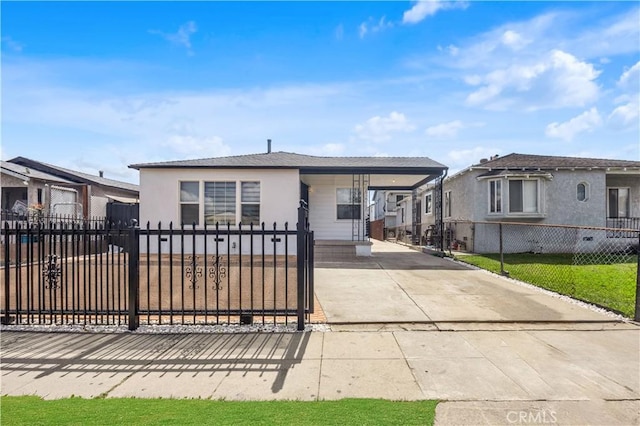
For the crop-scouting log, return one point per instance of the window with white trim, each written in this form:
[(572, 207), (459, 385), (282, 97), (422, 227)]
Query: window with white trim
[(495, 196), (523, 196), (348, 203), (428, 203), (190, 203), (250, 200), (220, 203), (447, 204), (618, 202), (582, 191)]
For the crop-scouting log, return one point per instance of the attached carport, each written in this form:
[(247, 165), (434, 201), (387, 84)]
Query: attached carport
[(323, 179)]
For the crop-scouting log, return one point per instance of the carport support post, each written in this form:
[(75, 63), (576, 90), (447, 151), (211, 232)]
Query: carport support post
[(134, 262), (636, 317)]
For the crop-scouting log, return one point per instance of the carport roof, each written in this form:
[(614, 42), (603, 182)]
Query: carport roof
[(310, 164)]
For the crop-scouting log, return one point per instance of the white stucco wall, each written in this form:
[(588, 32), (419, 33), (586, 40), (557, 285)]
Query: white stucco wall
[(160, 193)]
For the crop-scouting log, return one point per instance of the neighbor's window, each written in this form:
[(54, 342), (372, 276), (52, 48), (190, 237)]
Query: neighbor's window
[(523, 196), (220, 203), (349, 203), (190, 203), (495, 196), (250, 203), (428, 203), (618, 202), (447, 204), (582, 191)]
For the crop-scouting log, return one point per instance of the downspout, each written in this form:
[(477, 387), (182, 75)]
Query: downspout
[(444, 176)]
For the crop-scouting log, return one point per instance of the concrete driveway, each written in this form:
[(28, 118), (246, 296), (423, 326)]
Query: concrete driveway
[(400, 285)]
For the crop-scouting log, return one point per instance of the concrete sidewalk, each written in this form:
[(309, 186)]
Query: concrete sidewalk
[(483, 377)]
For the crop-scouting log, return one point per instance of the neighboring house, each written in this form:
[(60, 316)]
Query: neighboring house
[(541, 190), (25, 190), (386, 205), (268, 188), (62, 192)]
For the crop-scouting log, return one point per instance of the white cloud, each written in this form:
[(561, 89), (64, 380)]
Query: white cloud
[(513, 40), (557, 80), (467, 157), (585, 122), (445, 130), (450, 129), (362, 30), (182, 37), (625, 116), (423, 9), (188, 146), (630, 76), (372, 26), (12, 44), (339, 32), (327, 150), (380, 129)]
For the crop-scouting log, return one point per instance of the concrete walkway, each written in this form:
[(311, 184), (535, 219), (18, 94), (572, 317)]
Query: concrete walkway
[(406, 326)]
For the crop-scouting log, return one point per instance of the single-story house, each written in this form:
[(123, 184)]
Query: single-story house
[(58, 191), (269, 188), (538, 189)]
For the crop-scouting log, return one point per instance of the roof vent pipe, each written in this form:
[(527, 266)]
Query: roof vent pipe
[(268, 146), (100, 173)]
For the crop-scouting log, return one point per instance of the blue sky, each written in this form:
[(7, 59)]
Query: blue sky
[(98, 86)]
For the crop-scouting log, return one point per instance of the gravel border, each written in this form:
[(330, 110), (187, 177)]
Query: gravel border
[(167, 329)]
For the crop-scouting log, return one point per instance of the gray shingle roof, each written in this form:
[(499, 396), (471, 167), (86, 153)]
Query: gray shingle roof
[(298, 161), (526, 161), (26, 172), (73, 175)]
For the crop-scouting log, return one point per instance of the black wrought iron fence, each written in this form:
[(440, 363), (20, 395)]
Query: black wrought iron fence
[(108, 274)]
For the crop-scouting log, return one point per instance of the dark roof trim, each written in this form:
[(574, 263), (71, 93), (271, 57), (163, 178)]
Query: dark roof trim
[(370, 170)]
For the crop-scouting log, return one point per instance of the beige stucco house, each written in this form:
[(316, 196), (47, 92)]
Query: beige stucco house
[(269, 187)]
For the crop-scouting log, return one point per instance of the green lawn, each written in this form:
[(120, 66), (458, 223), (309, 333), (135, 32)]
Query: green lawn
[(30, 410), (611, 285)]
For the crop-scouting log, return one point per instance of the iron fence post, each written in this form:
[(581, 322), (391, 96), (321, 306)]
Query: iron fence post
[(636, 316), (6, 319), (134, 263), (300, 258)]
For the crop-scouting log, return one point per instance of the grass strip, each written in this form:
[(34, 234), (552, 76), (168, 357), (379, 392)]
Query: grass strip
[(32, 410), (608, 285)]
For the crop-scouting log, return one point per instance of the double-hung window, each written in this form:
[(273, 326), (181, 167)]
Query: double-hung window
[(618, 202), (349, 203), (250, 203), (523, 196), (220, 203), (190, 203), (428, 203), (495, 196)]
